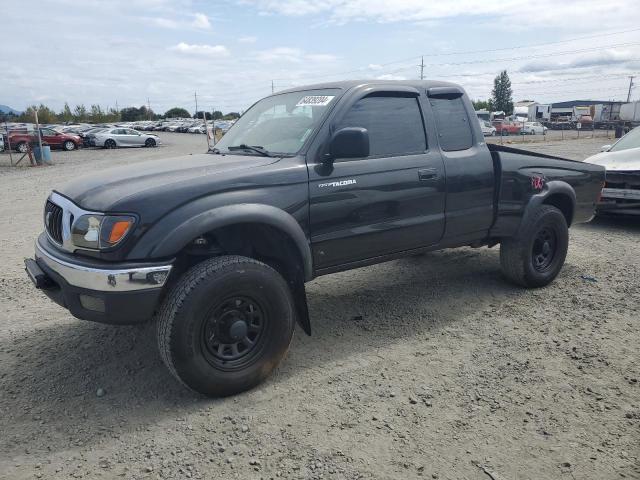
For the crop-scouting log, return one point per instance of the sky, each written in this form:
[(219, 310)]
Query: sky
[(231, 52)]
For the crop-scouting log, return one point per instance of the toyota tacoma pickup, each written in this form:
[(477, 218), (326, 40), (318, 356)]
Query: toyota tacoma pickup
[(216, 247)]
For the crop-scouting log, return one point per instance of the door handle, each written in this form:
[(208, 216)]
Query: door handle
[(427, 174)]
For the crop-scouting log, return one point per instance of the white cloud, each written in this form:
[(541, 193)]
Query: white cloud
[(202, 50), (597, 59), (292, 55), (199, 21), (391, 76), (524, 15), (374, 66), (247, 39)]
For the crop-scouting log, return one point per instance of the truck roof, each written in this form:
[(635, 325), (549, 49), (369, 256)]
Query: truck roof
[(348, 84)]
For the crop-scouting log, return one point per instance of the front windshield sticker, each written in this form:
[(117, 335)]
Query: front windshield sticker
[(315, 100)]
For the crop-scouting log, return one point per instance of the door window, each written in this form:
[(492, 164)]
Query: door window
[(394, 124)]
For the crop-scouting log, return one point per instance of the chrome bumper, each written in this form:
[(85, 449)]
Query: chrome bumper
[(103, 279)]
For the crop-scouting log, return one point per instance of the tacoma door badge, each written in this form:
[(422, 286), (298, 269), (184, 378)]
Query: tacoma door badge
[(340, 183)]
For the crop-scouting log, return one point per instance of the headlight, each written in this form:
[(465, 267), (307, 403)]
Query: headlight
[(100, 231)]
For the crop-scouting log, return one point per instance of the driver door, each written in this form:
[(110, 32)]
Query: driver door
[(388, 202)]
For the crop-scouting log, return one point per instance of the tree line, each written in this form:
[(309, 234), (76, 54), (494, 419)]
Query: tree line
[(96, 114)]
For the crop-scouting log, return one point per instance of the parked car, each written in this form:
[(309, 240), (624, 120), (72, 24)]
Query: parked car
[(506, 128), (534, 128), (220, 245), (124, 137), (20, 139), (89, 136), (1, 143), (488, 130), (621, 192)]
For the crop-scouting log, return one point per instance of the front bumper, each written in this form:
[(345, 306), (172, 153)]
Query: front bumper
[(623, 201), (122, 293)]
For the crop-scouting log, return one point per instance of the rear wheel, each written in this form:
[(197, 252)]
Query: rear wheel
[(69, 145), (226, 325), (110, 143), (535, 257), (22, 147)]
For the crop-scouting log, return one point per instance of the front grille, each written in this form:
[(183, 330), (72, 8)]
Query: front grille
[(53, 221), (623, 179)]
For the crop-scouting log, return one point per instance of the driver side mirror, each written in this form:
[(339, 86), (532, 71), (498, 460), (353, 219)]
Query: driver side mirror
[(605, 148), (351, 142)]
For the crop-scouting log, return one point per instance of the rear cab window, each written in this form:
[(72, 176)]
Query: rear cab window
[(452, 123)]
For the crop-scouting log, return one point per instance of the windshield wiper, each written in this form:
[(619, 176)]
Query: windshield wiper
[(253, 148)]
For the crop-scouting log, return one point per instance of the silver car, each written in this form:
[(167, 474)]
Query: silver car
[(125, 137), (621, 192)]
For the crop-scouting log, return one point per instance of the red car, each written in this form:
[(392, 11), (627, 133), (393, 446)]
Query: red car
[(506, 128), (20, 140)]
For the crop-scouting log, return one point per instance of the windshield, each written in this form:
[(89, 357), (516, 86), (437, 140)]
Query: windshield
[(630, 140), (278, 124)]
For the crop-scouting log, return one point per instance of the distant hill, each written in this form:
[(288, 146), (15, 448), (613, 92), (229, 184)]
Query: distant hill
[(7, 109)]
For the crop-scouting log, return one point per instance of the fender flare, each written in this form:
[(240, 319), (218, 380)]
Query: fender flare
[(209, 220), (552, 187)]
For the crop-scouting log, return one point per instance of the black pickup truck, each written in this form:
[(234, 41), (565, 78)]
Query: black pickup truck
[(217, 247)]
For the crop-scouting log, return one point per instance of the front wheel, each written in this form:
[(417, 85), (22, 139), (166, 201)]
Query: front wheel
[(110, 143), (150, 142), (69, 145), (536, 255), (225, 325), (22, 147)]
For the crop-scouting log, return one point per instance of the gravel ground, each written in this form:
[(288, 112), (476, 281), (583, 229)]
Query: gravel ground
[(428, 367)]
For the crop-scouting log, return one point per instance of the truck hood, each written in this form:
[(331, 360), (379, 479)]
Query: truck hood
[(626, 160), (159, 184)]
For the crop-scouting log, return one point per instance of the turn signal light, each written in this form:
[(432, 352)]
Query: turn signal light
[(119, 230)]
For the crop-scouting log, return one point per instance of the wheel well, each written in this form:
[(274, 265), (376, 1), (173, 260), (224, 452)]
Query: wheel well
[(260, 241), (563, 203)]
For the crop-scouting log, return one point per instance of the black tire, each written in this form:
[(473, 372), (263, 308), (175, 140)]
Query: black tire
[(22, 147), (149, 142), (204, 313), (109, 143), (69, 145), (535, 257)]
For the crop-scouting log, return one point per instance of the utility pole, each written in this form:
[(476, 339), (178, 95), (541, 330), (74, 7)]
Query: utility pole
[(630, 87), (195, 95), (422, 68), (148, 108), (272, 89)]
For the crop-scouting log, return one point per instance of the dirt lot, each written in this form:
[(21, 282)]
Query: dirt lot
[(429, 367)]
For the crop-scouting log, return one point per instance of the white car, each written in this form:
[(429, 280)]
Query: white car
[(488, 130), (1, 143), (534, 128), (125, 137), (621, 193)]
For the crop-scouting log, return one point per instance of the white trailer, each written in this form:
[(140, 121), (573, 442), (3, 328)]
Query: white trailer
[(630, 112)]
